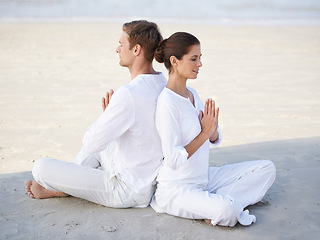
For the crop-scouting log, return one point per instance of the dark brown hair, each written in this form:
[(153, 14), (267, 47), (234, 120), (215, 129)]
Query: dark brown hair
[(178, 45), (144, 33)]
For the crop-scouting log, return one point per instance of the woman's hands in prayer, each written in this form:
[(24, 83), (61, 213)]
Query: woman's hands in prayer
[(209, 125), (106, 99), (209, 120)]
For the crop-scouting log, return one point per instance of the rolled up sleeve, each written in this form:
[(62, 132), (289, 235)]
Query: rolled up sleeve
[(218, 140)]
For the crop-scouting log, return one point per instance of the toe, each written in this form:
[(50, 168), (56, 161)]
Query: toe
[(28, 183), (31, 195)]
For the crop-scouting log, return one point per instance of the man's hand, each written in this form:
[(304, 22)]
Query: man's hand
[(106, 99)]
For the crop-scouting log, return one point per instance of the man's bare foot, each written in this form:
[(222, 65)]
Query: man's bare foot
[(28, 184), (35, 190), (207, 221)]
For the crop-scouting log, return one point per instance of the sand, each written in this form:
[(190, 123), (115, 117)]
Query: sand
[(265, 79)]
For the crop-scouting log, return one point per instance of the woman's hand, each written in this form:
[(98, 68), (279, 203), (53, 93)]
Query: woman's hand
[(209, 125), (209, 118), (106, 99)]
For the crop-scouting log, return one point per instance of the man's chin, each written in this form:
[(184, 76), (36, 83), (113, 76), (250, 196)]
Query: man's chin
[(122, 64)]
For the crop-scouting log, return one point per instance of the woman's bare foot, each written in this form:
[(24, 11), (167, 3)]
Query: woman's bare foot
[(35, 190)]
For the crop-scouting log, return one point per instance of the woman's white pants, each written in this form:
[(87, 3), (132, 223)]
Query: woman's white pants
[(230, 189)]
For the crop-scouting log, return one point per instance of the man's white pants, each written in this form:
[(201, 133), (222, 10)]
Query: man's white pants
[(84, 179)]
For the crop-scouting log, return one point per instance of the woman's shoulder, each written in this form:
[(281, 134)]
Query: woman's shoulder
[(167, 105), (166, 98), (193, 91), (165, 94)]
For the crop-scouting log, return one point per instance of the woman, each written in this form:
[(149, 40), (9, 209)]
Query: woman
[(187, 187)]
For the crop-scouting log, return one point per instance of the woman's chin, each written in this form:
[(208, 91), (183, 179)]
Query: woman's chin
[(193, 77)]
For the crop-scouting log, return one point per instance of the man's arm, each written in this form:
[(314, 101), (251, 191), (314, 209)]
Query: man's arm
[(116, 119)]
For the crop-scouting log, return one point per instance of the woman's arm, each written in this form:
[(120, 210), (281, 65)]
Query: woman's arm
[(209, 125), (168, 126)]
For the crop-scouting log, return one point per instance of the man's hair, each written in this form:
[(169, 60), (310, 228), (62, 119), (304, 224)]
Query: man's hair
[(144, 33)]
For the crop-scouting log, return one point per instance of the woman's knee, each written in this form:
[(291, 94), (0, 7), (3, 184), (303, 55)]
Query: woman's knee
[(270, 167), (228, 212)]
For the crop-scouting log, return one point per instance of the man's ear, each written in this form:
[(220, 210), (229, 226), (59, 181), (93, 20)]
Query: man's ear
[(137, 49)]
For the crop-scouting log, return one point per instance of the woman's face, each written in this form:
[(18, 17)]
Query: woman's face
[(188, 66)]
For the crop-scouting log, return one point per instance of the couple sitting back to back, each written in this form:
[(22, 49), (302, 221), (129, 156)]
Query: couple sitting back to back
[(155, 132)]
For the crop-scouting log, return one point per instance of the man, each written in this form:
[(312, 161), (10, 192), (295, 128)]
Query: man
[(121, 151)]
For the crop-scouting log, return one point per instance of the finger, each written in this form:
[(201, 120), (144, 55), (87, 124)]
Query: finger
[(107, 99), (210, 107), (213, 108), (217, 114), (110, 94), (200, 115), (206, 107), (103, 103)]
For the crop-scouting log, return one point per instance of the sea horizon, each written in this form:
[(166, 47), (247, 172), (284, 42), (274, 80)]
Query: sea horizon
[(217, 12)]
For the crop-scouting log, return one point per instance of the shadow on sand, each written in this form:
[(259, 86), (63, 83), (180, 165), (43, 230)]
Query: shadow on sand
[(290, 210)]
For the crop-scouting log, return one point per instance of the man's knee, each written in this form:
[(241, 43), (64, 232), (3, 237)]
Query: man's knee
[(39, 167)]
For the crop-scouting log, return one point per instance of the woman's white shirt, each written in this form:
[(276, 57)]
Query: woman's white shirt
[(177, 121)]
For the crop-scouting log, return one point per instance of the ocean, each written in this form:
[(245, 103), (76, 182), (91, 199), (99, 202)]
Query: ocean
[(207, 11)]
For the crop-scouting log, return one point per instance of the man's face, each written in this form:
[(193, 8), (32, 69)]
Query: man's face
[(126, 55)]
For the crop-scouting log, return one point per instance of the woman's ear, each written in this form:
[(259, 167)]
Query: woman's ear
[(173, 61)]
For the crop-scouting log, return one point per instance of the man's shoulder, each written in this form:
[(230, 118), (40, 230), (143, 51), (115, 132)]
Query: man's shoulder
[(146, 85), (144, 80), (122, 94)]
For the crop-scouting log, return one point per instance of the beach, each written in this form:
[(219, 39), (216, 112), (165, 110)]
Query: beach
[(264, 78)]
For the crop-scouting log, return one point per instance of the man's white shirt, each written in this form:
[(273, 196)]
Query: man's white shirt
[(129, 122)]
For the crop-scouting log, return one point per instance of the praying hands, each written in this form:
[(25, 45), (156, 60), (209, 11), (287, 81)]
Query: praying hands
[(106, 99)]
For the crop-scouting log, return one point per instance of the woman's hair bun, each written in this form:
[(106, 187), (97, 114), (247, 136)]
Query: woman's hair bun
[(159, 54)]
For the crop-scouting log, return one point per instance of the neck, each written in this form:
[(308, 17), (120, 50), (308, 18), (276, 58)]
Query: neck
[(178, 85), (141, 68)]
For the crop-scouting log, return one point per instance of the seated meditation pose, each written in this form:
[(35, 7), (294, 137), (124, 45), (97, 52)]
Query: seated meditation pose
[(121, 152), (186, 186)]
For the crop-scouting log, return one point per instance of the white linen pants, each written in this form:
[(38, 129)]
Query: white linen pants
[(82, 178), (230, 189)]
